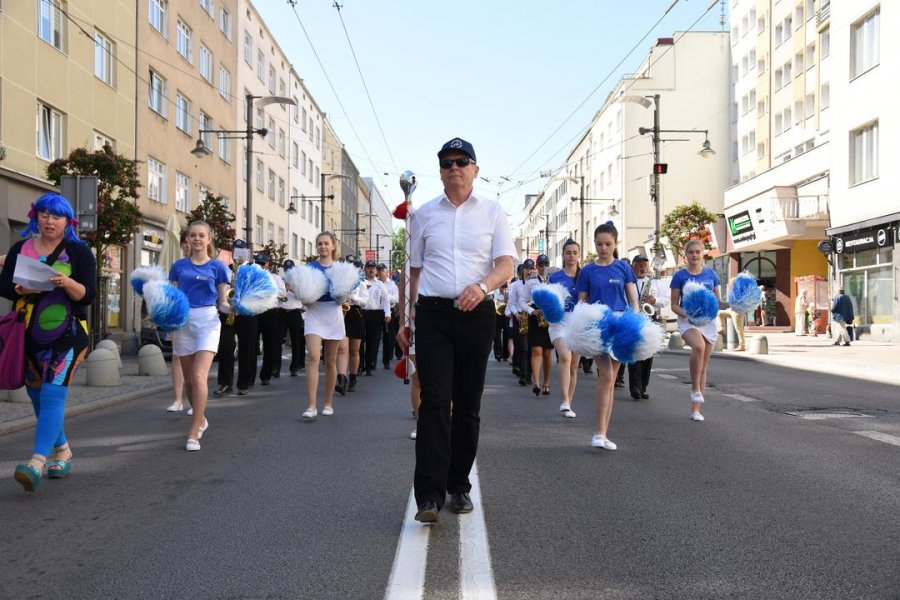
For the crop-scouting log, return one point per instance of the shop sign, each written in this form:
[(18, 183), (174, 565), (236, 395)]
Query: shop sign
[(864, 240), (741, 228)]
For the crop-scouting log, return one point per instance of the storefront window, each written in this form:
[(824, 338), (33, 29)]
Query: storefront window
[(868, 280), (112, 273)]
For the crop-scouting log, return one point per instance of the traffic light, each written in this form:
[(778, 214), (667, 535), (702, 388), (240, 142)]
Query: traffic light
[(660, 168)]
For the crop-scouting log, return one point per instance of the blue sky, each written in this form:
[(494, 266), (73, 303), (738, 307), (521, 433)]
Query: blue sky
[(501, 74)]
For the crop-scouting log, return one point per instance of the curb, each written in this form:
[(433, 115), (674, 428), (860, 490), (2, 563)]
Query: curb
[(723, 355), (80, 409)]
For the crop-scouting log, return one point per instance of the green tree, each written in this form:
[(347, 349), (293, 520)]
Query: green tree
[(687, 222), (277, 254), (398, 249), (214, 210)]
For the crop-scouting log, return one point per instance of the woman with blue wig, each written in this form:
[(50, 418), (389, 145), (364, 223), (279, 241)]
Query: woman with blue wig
[(56, 338)]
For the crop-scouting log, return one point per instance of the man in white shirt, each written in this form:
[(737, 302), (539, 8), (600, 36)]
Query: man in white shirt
[(461, 249), (650, 291), (389, 329), (293, 309), (376, 312)]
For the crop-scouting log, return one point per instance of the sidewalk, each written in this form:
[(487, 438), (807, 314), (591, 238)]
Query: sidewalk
[(874, 361)]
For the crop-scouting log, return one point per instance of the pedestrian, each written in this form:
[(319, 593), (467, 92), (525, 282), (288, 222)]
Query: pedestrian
[(702, 338), (611, 282), (56, 338), (324, 323), (293, 310), (520, 358), (349, 354), (390, 328), (227, 340), (204, 280), (461, 249), (801, 305), (246, 328), (177, 374), (567, 365), (538, 330), (271, 327), (842, 316), (650, 294), (376, 315)]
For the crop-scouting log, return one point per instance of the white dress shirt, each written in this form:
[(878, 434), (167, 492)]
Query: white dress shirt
[(515, 290), (456, 247), (359, 296), (657, 290), (378, 296), (525, 294), (392, 291)]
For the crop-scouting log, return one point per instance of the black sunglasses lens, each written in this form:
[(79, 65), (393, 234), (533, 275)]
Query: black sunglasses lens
[(460, 162)]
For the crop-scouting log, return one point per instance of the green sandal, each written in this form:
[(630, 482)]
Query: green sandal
[(57, 468), (29, 476)]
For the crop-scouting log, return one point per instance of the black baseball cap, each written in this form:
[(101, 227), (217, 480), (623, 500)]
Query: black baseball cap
[(288, 265), (371, 263), (381, 266), (458, 145), (528, 264), (543, 260), (239, 244), (639, 258), (262, 258)]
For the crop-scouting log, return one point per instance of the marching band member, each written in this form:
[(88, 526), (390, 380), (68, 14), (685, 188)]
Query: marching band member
[(652, 293), (567, 366), (271, 327), (348, 356), (501, 333), (227, 344), (520, 356), (538, 334), (390, 329), (293, 309), (376, 315)]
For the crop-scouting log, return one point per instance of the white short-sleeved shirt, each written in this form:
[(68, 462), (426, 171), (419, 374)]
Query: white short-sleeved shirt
[(456, 247)]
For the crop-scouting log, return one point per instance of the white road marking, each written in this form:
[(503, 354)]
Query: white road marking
[(666, 376), (741, 397), (881, 437), (407, 580), (476, 579), (672, 369), (824, 416)]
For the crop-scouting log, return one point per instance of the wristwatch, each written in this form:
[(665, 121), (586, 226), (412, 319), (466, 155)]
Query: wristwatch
[(484, 288)]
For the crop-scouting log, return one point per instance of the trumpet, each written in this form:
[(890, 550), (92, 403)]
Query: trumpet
[(500, 308), (229, 295), (523, 323)]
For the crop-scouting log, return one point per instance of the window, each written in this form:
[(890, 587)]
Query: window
[(209, 6), (810, 56), (248, 48), (206, 63), (157, 98), (182, 192), (282, 91), (49, 132), (225, 149), (272, 80), (787, 72), (761, 150), (281, 235), (271, 231), (280, 192), (183, 113), (50, 26), (761, 24), (157, 16), (259, 231), (260, 119), (864, 36), (271, 184), (156, 180), (779, 123), (260, 176), (318, 178), (787, 119), (303, 122), (864, 153), (294, 246), (261, 65), (101, 140), (295, 110), (303, 163), (224, 83), (761, 66), (761, 107), (281, 142), (788, 27), (798, 111), (204, 191), (309, 170), (183, 43), (810, 104), (318, 138), (104, 58), (225, 22), (798, 63), (825, 44), (779, 79), (824, 96), (205, 122), (779, 34), (270, 132), (244, 162), (798, 15), (295, 154)]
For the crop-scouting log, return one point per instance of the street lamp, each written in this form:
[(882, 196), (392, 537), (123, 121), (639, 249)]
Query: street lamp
[(202, 151), (705, 151), (378, 237), (322, 192)]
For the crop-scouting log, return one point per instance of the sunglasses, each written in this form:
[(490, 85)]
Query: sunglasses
[(463, 162)]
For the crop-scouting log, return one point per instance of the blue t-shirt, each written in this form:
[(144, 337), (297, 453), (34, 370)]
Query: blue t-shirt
[(606, 284), (707, 277), (317, 265), (567, 282), (199, 283)]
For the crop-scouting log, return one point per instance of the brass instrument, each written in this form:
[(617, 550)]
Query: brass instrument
[(542, 322), (345, 307), (229, 295), (648, 308), (500, 308), (523, 323)]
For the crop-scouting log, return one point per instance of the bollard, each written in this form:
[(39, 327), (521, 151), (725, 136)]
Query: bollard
[(719, 346), (151, 361), (759, 344), (102, 368), (112, 347), (675, 341)]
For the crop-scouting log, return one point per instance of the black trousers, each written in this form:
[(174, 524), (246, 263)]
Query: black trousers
[(248, 342), (271, 326), (521, 352), (294, 323), (452, 350), (388, 333), (500, 337), (225, 353), (639, 374), (374, 320)]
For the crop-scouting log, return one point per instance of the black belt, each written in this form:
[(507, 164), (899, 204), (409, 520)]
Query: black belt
[(446, 302)]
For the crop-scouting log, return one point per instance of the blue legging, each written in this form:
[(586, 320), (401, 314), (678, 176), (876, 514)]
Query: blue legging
[(49, 402)]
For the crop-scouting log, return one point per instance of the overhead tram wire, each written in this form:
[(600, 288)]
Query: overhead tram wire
[(293, 5), (365, 87), (598, 86)]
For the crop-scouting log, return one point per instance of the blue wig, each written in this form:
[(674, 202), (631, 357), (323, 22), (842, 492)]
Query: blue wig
[(54, 204)]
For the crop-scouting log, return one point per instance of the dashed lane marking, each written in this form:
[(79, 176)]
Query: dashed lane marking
[(407, 580), (476, 579), (666, 376), (881, 437), (741, 397)]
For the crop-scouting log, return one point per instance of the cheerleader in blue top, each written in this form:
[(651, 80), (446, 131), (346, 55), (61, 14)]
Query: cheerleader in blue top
[(204, 280), (610, 282), (701, 338), (567, 363)]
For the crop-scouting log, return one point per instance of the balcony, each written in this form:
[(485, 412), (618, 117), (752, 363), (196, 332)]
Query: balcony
[(800, 208), (823, 13)]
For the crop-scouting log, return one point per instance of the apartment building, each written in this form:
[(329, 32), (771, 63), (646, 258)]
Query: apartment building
[(777, 204), (865, 127), (67, 80), (306, 141), (341, 203), (380, 224)]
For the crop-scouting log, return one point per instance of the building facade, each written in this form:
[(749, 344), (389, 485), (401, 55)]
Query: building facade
[(306, 141), (380, 226)]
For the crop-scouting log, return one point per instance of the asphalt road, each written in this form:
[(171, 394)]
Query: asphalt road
[(752, 503)]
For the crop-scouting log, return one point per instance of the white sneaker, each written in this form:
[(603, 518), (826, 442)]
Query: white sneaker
[(564, 407), (412, 435), (696, 417), (328, 411), (190, 411), (192, 446), (203, 429), (309, 414), (175, 407), (569, 414), (697, 398), (600, 441)]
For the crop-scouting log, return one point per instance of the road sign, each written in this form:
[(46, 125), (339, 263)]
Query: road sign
[(370, 255)]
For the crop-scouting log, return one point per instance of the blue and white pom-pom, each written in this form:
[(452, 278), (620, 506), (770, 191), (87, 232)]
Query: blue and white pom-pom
[(308, 283), (343, 278), (254, 291), (142, 275), (700, 304), (744, 294), (167, 305), (551, 299), (635, 337), (584, 327)]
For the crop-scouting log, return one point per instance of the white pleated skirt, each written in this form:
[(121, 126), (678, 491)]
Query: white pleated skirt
[(200, 333), (710, 331), (324, 319)]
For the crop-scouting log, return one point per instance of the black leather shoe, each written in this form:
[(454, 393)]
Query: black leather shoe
[(223, 390), (428, 512), (461, 503), (341, 386), (368, 372), (242, 391), (636, 394), (293, 373), (265, 382), (351, 387), (645, 395), (619, 384)]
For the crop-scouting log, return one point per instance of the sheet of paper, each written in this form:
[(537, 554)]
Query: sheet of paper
[(32, 274)]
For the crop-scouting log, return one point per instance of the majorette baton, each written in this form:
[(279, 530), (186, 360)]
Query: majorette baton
[(402, 212)]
